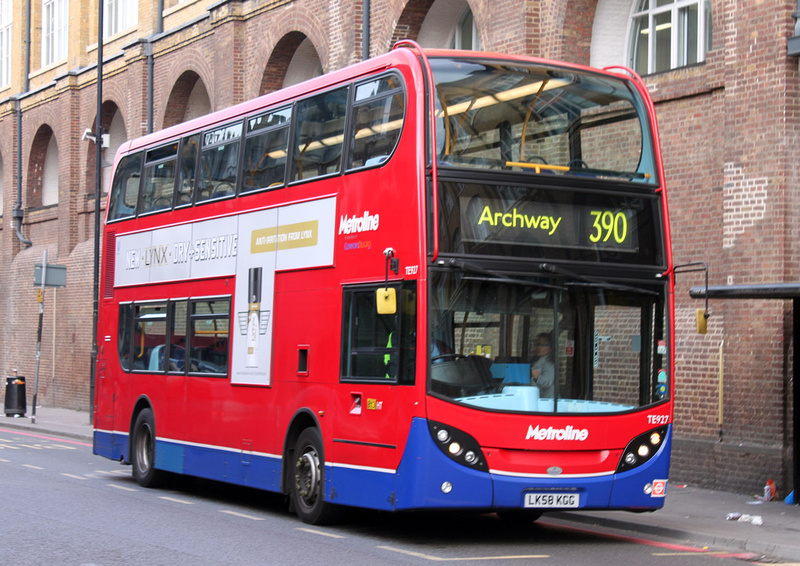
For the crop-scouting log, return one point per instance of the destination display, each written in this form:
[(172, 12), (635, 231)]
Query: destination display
[(549, 223)]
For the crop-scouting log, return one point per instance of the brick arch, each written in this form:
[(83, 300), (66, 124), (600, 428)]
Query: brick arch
[(178, 102), (279, 61), (119, 95), (404, 21), (36, 159), (273, 49), (409, 21), (188, 66)]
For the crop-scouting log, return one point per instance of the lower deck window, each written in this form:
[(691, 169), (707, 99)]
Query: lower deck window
[(187, 336)]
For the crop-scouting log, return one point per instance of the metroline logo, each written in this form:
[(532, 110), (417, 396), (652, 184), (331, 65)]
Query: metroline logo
[(355, 224), (550, 433)]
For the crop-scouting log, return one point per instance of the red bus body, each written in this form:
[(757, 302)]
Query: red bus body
[(320, 247)]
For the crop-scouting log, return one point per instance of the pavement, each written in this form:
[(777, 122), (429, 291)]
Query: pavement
[(768, 531)]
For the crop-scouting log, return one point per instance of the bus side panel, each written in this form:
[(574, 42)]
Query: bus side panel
[(103, 443)]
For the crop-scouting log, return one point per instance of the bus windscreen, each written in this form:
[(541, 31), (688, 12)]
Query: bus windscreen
[(540, 120)]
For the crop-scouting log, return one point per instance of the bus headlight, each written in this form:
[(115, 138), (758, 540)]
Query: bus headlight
[(641, 449), (458, 446)]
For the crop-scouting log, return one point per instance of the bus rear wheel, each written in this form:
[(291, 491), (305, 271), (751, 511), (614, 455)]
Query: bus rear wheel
[(308, 480), (143, 451)]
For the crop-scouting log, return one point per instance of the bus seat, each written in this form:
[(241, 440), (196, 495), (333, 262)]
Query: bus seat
[(156, 356)]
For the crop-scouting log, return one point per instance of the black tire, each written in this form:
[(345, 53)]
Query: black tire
[(307, 480), (143, 451)]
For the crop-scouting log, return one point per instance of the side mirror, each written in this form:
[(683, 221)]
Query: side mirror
[(386, 300)]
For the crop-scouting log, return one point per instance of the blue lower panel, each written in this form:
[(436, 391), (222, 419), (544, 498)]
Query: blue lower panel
[(111, 445), (254, 470), (418, 482), (371, 489), (242, 468), (634, 489), (423, 471)]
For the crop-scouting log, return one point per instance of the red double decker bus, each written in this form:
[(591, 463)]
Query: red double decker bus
[(434, 279)]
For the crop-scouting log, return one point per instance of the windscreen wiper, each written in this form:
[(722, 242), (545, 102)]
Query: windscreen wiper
[(492, 276), (592, 282)]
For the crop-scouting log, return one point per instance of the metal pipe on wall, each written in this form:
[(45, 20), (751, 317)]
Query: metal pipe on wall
[(98, 182), (148, 52), (365, 32), (18, 213)]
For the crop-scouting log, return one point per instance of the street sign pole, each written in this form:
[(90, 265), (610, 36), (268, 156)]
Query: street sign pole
[(40, 300)]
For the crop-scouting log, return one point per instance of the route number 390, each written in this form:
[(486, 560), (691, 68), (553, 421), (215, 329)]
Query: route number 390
[(608, 224)]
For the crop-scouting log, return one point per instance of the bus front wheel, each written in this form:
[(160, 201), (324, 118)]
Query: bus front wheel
[(143, 450), (308, 480)]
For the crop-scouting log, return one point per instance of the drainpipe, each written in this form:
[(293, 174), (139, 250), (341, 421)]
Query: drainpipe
[(17, 214), (148, 52), (365, 33)]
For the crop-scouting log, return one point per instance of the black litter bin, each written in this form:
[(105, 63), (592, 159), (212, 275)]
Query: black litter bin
[(15, 396)]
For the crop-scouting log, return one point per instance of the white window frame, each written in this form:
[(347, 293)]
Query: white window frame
[(677, 11), (458, 37), (119, 15), (55, 31), (6, 20)]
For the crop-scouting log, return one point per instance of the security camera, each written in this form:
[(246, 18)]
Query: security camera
[(88, 135)]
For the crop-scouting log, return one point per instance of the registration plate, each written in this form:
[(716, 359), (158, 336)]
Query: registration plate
[(552, 500)]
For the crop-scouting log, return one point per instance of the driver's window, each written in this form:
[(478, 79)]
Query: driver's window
[(378, 347)]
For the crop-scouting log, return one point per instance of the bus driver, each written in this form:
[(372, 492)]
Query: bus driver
[(543, 368)]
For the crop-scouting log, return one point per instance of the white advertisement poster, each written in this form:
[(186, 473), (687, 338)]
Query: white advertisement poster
[(253, 246)]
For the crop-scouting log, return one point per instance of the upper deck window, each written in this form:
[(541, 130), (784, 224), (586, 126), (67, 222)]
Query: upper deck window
[(219, 162), (319, 135), (540, 120), (265, 150), (125, 190), (159, 178), (190, 147), (377, 121)]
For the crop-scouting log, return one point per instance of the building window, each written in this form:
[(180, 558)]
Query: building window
[(55, 27), (119, 15), (466, 33), (667, 34), (5, 42)]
